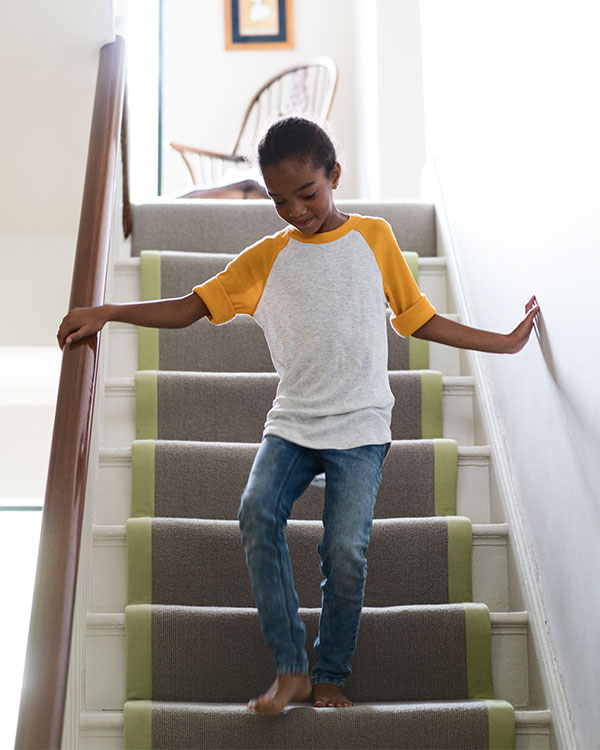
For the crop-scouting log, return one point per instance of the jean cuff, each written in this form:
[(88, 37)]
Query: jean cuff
[(331, 680), (293, 669)]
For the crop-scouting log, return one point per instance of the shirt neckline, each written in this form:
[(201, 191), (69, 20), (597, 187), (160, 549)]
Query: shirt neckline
[(322, 237)]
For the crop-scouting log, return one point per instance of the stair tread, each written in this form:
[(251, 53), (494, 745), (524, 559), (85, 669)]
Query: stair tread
[(516, 618), (524, 717)]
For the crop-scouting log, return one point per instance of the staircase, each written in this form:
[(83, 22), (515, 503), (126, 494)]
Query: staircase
[(176, 430)]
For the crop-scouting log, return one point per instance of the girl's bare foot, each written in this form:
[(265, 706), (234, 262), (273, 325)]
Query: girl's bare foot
[(328, 695), (286, 689)]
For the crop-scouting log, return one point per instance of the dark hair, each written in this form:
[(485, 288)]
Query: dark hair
[(297, 138)]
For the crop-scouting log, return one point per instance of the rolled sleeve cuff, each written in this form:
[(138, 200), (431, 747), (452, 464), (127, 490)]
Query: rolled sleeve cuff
[(214, 296), (416, 316)]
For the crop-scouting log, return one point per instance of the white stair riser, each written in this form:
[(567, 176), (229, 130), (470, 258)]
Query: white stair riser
[(119, 430), (109, 566), (122, 360), (432, 282), (113, 508), (106, 657)]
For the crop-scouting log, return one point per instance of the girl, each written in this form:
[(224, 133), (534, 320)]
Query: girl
[(319, 289)]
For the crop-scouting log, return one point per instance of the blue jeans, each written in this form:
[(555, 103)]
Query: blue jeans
[(281, 472)]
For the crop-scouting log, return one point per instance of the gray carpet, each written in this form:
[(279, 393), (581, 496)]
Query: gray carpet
[(225, 407), (229, 226), (189, 479), (217, 654), (409, 562)]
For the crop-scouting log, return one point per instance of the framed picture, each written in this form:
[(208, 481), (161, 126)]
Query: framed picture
[(259, 24)]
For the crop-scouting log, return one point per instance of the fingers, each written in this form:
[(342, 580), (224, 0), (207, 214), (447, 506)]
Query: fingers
[(532, 304), (73, 328)]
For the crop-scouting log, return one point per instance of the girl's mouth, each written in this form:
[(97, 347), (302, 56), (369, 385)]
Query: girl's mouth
[(305, 222)]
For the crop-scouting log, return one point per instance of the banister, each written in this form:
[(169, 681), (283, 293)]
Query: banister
[(44, 689)]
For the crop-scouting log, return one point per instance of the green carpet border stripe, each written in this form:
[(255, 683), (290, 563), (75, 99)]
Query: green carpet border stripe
[(139, 561), (418, 354), (142, 478), (460, 545), (148, 348), (137, 720), (148, 338), (431, 404), (501, 721), (445, 476), (478, 631), (412, 261), (138, 628), (146, 405)]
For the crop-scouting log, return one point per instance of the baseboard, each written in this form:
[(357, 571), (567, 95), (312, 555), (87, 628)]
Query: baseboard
[(550, 675)]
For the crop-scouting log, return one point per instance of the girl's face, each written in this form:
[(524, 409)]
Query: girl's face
[(302, 194)]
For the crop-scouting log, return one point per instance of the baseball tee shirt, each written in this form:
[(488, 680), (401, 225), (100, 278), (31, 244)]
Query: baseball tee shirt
[(321, 300)]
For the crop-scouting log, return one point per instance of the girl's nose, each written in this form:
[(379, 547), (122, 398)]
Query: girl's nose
[(296, 209)]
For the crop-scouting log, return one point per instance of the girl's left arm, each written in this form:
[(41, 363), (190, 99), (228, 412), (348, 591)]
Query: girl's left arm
[(448, 332)]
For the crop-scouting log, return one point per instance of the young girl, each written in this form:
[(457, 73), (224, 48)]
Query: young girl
[(319, 290)]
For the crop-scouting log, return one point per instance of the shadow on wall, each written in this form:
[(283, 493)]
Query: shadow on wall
[(578, 420)]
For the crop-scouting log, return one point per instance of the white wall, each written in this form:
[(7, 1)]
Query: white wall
[(48, 65), (400, 116), (513, 117)]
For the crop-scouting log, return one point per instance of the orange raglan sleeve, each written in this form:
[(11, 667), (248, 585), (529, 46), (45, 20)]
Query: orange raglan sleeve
[(239, 287), (411, 309)]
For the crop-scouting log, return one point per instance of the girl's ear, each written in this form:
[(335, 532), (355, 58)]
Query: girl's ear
[(335, 175)]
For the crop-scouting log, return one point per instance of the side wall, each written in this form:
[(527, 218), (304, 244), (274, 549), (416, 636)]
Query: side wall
[(48, 66), (512, 124)]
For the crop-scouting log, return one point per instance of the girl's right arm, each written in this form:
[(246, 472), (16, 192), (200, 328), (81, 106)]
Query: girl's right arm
[(177, 312)]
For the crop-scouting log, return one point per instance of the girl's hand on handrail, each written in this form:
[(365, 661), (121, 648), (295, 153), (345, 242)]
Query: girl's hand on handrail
[(81, 322)]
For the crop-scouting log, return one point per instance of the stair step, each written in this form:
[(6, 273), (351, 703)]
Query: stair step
[(195, 479), (229, 226), (120, 409), (105, 729), (109, 581), (106, 660), (473, 486), (365, 726), (123, 350), (432, 280)]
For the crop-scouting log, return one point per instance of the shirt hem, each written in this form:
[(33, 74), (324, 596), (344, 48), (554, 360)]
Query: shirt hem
[(306, 442)]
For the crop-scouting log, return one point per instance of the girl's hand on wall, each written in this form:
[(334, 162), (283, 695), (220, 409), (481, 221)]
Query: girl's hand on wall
[(520, 336)]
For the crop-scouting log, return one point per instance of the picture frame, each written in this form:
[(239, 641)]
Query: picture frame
[(259, 24)]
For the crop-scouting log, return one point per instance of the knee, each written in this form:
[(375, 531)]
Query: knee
[(255, 516), (250, 511), (346, 560)]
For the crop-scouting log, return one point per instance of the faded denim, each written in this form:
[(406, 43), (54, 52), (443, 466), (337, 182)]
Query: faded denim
[(281, 472)]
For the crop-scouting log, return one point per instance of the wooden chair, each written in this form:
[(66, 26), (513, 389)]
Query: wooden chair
[(306, 89)]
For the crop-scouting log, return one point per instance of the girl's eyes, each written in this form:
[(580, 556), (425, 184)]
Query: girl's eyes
[(302, 197)]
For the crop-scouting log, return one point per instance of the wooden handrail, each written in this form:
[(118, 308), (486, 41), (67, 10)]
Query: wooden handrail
[(44, 690)]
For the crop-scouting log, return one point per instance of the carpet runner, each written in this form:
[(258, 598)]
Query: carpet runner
[(189, 479), (239, 345), (223, 407), (422, 670)]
